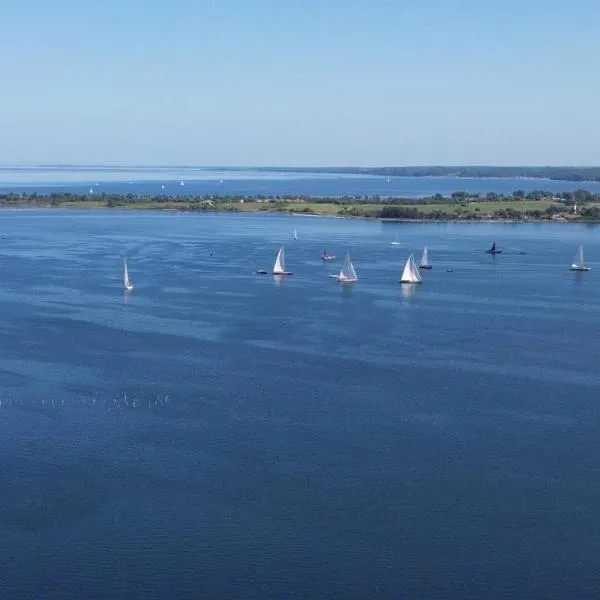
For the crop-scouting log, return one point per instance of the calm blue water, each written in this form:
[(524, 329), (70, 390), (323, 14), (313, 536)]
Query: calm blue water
[(202, 181), (218, 434)]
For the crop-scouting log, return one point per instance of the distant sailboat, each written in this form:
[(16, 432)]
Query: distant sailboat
[(295, 234), (279, 266), (493, 250), (578, 262), (126, 282), (347, 273), (397, 242), (411, 273), (326, 257), (424, 264)]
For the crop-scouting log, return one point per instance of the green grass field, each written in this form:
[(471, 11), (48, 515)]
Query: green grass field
[(482, 208), (454, 210)]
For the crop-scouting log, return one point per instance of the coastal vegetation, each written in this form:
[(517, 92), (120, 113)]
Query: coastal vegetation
[(520, 205), (553, 173)]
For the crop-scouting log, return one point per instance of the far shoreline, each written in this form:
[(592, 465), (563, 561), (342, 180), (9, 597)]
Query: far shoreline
[(579, 206)]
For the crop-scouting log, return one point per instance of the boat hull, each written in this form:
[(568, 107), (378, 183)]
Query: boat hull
[(427, 267), (494, 251), (581, 269), (327, 258), (282, 273), (412, 282), (344, 280)]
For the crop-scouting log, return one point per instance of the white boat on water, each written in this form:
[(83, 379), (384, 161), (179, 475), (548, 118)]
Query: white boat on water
[(347, 272), (578, 262), (424, 264), (411, 273), (279, 266), (397, 242), (126, 281), (295, 234)]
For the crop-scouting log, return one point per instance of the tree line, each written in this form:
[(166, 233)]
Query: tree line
[(579, 196)]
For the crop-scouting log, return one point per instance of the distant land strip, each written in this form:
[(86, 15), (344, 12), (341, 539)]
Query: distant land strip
[(553, 173), (565, 173), (540, 205)]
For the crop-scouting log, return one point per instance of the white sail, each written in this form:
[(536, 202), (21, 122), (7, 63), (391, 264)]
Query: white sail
[(347, 272), (279, 266), (411, 273), (295, 234), (425, 258), (416, 274), (126, 281), (578, 261)]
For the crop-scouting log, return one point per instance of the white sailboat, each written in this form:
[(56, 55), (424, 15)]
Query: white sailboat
[(347, 272), (126, 282), (295, 234), (411, 273), (279, 266), (578, 262), (424, 264), (397, 242)]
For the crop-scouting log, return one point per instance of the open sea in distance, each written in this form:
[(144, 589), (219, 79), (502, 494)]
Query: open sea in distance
[(219, 434), (248, 182)]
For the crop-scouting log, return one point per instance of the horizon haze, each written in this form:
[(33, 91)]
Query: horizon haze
[(301, 84)]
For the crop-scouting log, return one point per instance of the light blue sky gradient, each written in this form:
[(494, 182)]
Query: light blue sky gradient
[(300, 82)]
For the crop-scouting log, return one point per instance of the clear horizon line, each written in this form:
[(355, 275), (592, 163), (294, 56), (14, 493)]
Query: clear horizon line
[(275, 167)]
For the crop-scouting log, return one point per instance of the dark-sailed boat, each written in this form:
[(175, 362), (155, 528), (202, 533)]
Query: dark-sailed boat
[(326, 257), (493, 250)]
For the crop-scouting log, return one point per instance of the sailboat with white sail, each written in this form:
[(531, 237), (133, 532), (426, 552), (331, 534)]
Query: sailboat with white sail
[(411, 273), (126, 281), (279, 266), (295, 234), (396, 242), (424, 264), (347, 272), (578, 262)]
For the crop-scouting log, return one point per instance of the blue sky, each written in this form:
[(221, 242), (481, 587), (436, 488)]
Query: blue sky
[(300, 82)]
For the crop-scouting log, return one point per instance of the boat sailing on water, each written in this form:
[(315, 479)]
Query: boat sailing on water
[(397, 242), (347, 272), (326, 257), (578, 262), (424, 264), (295, 234), (411, 273), (126, 281), (279, 266), (493, 250)]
